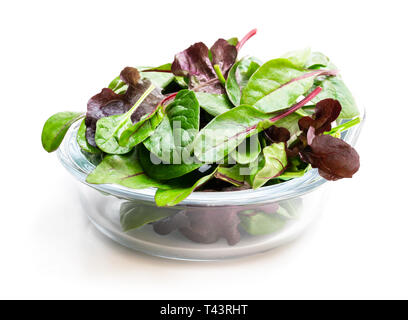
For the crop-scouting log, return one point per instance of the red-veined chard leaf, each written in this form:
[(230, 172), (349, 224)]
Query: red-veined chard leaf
[(278, 84), (225, 132), (56, 127), (231, 175)]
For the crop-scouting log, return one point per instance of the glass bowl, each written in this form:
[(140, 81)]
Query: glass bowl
[(247, 222)]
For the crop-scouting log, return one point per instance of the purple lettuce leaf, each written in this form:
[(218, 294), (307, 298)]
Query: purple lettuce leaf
[(108, 103), (195, 63)]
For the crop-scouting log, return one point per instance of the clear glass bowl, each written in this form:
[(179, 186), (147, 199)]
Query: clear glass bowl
[(283, 211)]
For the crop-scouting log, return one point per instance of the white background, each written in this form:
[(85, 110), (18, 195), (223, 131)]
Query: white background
[(54, 55)]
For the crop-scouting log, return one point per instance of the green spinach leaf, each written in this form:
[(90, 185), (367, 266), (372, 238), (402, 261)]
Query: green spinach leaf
[(298, 57), (238, 77), (261, 223), (124, 170), (247, 151), (56, 127), (175, 195), (109, 129), (134, 215), (214, 104), (172, 139), (335, 88), (83, 142), (161, 171), (270, 165)]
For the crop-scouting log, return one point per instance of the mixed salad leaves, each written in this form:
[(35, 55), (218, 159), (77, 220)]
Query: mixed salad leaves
[(211, 121)]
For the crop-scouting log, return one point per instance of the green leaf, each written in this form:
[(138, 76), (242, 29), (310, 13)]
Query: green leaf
[(318, 60), (233, 41), (214, 104), (83, 142), (118, 86), (134, 215), (239, 76), (109, 129), (270, 165), (335, 88), (56, 127), (136, 133), (299, 57), (247, 151), (231, 175), (175, 195), (163, 67), (172, 139), (124, 170), (159, 79), (277, 84), (225, 132), (161, 171), (261, 223)]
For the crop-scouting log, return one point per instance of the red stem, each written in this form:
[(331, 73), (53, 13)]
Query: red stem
[(168, 98), (298, 105), (248, 36)]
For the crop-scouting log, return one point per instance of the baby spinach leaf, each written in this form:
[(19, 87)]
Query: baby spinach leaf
[(82, 142), (261, 223), (161, 171), (299, 57), (247, 151), (175, 195), (109, 129), (172, 139), (56, 127), (231, 175), (335, 88), (214, 104), (238, 78), (124, 170), (136, 133), (118, 86), (277, 84), (134, 215), (270, 165), (163, 68)]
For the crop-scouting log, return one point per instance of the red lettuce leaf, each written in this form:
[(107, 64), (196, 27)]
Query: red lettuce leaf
[(195, 63), (326, 112), (108, 103), (277, 134), (203, 225), (334, 158)]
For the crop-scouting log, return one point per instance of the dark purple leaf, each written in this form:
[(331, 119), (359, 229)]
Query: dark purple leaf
[(195, 63), (326, 112), (334, 158), (108, 103), (277, 134), (203, 225)]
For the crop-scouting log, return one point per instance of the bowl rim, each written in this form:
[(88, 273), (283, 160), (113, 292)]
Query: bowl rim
[(72, 158)]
